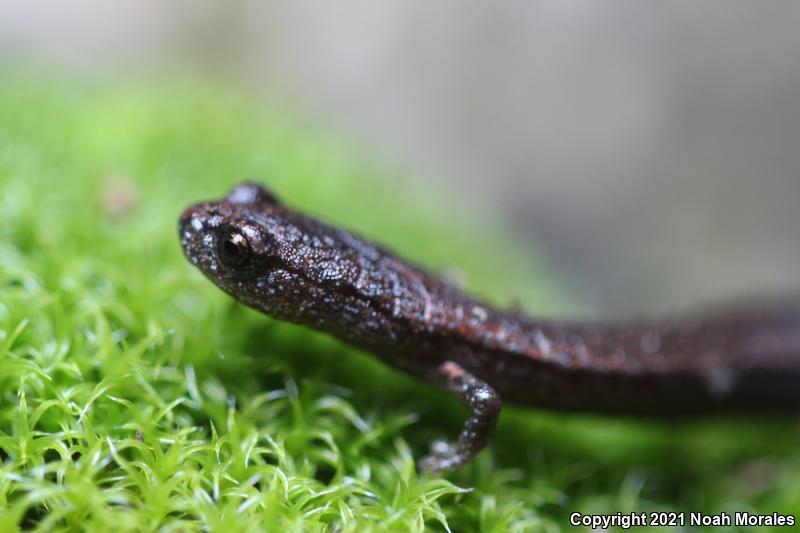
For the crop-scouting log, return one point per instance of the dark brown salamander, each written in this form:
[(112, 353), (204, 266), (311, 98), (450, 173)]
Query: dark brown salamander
[(295, 268)]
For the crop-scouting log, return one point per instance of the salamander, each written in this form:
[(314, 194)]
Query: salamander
[(296, 268)]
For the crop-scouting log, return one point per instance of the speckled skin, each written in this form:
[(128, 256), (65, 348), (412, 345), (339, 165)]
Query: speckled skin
[(296, 268)]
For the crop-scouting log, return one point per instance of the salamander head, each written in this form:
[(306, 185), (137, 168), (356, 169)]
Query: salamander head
[(237, 243), (269, 257)]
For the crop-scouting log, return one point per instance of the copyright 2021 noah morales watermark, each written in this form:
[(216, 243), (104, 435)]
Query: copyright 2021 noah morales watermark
[(682, 519)]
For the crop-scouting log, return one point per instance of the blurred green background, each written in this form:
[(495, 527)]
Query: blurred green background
[(138, 397), (575, 157)]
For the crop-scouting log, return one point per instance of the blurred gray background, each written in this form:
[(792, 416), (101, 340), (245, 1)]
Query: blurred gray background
[(651, 151)]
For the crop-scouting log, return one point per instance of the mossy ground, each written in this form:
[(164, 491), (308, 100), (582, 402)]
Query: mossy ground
[(135, 396)]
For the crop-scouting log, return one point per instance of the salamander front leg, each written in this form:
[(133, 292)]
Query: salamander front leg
[(484, 405)]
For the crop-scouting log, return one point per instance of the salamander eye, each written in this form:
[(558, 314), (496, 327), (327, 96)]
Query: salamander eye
[(233, 250)]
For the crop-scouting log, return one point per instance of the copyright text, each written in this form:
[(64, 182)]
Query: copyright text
[(672, 519)]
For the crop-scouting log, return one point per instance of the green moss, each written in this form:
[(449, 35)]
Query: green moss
[(135, 396)]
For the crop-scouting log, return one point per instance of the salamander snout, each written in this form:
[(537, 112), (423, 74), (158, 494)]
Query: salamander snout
[(185, 221), (192, 223), (191, 230)]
